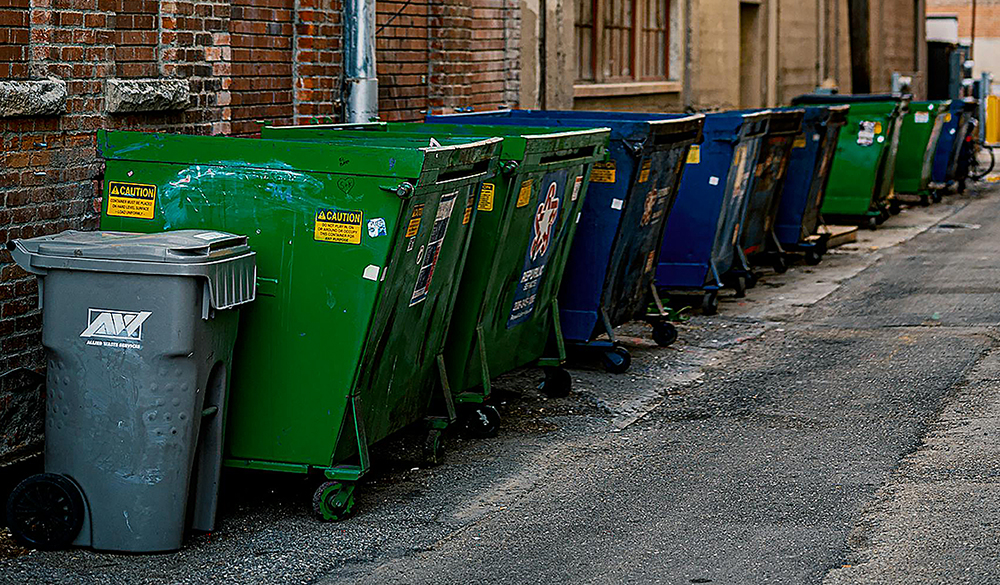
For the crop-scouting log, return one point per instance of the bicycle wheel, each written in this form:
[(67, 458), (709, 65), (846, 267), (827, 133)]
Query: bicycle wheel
[(978, 168)]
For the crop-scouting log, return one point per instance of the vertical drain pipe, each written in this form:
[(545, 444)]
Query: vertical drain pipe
[(360, 81)]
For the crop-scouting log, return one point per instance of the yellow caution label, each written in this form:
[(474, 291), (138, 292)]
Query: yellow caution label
[(414, 225), (131, 200), (694, 155), (947, 117), (469, 205), (878, 127), (800, 141), (338, 225), (603, 172), (644, 172), (486, 195), (524, 195)]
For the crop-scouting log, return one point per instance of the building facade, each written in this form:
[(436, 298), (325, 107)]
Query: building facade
[(986, 53)]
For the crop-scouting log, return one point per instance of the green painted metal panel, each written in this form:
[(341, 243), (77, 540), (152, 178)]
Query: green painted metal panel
[(524, 228), (917, 144), (864, 165), (359, 252)]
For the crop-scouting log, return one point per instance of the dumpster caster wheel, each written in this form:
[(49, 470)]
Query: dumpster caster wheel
[(710, 303), (813, 257), (557, 383), (480, 421), (937, 195), (751, 278), (333, 500), (872, 223), (433, 448), (779, 263), (664, 333), (617, 360), (894, 207), (740, 286), (45, 512)]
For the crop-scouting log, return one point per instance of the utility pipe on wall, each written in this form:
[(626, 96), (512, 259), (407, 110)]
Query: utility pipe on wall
[(360, 80)]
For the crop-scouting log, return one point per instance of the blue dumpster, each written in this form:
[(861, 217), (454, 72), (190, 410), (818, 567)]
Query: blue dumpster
[(952, 143), (608, 279), (757, 239), (805, 183)]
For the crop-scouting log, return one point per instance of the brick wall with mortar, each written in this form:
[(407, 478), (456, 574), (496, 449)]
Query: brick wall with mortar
[(243, 61)]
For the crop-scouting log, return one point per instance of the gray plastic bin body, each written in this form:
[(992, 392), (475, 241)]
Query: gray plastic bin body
[(138, 332)]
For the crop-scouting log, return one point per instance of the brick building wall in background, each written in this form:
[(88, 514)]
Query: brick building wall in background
[(241, 60)]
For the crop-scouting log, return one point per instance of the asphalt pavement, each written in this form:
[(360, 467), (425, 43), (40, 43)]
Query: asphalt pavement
[(839, 425)]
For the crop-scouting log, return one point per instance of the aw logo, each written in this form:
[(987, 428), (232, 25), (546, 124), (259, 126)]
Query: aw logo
[(114, 325), (545, 221)]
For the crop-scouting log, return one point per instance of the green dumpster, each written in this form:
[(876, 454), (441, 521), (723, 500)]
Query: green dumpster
[(861, 178), (918, 141), (359, 254), (506, 314)]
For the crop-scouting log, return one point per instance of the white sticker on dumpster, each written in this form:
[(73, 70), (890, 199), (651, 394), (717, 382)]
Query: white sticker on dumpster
[(371, 272), (713, 181), (113, 328), (921, 117), (617, 203), (432, 252)]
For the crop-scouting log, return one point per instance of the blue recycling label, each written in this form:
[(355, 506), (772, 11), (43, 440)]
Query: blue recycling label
[(544, 231)]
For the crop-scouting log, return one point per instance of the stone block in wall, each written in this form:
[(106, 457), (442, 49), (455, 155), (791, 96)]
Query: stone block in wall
[(32, 98), (146, 95)]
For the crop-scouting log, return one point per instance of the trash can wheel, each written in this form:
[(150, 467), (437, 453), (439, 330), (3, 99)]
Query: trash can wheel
[(894, 207), (813, 257), (479, 421), (937, 195), (779, 263), (872, 223), (740, 286), (710, 303), (557, 383), (433, 453), (617, 360), (925, 200), (664, 333), (333, 500), (45, 512)]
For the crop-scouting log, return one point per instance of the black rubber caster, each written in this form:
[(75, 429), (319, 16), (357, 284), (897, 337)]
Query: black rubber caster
[(45, 512), (617, 360), (664, 333), (479, 421), (333, 500), (779, 263), (557, 383), (813, 257), (740, 286), (937, 195), (751, 279), (433, 453), (872, 223), (894, 207), (710, 303)]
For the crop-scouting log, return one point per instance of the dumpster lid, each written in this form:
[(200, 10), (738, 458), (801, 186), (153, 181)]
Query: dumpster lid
[(223, 260), (823, 98), (181, 246)]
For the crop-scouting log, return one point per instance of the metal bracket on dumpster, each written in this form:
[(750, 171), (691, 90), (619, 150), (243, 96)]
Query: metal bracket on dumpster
[(660, 310), (353, 472), (560, 358), (509, 167), (635, 148), (607, 326), (449, 404)]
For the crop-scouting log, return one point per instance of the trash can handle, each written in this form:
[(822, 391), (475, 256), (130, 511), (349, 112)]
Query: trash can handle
[(23, 258)]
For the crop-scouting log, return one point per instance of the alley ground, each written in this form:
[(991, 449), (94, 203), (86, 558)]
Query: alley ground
[(840, 425)]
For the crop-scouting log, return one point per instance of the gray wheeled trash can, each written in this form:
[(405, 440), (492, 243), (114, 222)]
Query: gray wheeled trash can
[(138, 332)]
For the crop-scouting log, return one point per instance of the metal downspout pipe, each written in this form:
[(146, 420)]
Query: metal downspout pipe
[(360, 81)]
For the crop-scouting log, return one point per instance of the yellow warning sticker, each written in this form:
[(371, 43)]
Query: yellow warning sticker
[(414, 225), (878, 127), (486, 197), (524, 195), (947, 117), (338, 225), (644, 172), (469, 205), (603, 172), (694, 155), (800, 141), (131, 200)]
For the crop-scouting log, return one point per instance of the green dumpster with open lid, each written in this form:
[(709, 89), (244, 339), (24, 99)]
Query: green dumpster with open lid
[(360, 251)]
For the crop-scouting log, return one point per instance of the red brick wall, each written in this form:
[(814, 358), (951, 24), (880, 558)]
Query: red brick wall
[(245, 60)]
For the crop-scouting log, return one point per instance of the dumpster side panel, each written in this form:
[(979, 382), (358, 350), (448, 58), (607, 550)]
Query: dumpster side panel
[(769, 175), (919, 127), (318, 281), (854, 178)]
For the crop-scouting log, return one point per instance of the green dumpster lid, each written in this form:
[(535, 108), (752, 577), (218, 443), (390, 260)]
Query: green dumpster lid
[(224, 260)]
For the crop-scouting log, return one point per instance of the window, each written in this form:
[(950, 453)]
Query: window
[(622, 40)]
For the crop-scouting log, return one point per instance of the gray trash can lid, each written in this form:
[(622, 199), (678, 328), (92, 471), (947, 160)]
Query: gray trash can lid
[(225, 260)]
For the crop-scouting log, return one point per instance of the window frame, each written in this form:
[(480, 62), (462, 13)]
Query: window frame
[(654, 83)]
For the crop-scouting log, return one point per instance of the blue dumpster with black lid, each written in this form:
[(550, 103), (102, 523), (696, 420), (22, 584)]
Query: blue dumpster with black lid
[(608, 280), (805, 183), (953, 133), (699, 246)]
